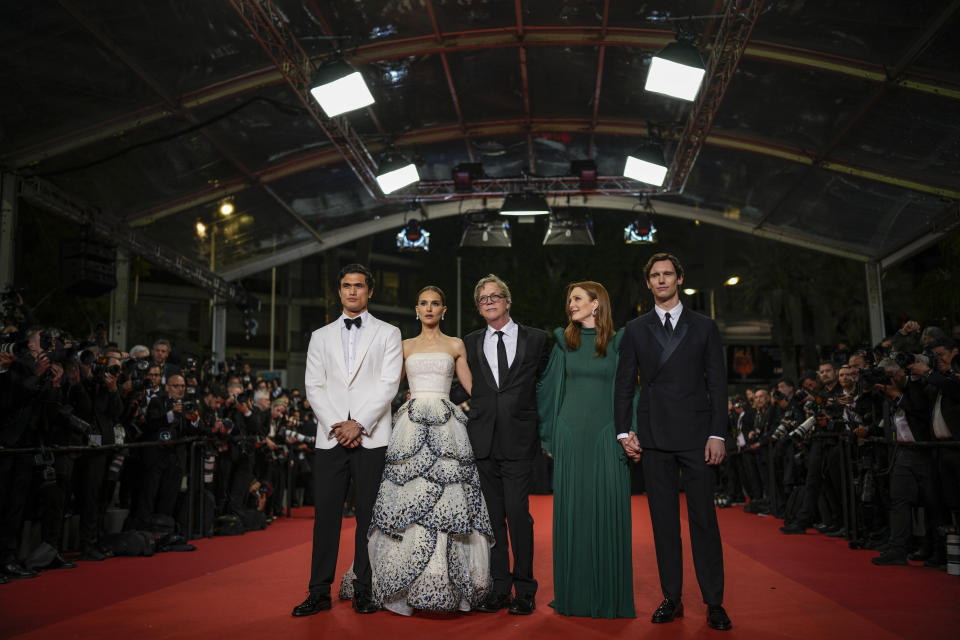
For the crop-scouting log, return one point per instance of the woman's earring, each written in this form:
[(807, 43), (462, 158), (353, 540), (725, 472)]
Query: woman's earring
[(418, 316), (443, 317), (594, 312)]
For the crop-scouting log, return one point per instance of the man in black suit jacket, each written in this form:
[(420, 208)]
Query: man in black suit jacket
[(506, 359), (677, 357)]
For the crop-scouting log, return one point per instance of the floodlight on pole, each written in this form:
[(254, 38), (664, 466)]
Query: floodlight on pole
[(226, 207), (340, 88), (676, 71), (396, 172), (646, 165)]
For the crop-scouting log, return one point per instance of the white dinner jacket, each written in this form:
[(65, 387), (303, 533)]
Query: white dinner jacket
[(366, 395)]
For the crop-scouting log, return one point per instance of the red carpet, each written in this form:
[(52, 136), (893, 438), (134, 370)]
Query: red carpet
[(244, 587)]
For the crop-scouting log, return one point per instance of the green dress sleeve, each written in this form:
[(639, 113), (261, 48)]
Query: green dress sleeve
[(550, 392), (617, 339)]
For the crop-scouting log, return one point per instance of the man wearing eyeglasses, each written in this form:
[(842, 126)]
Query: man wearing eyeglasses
[(506, 360), (162, 465)]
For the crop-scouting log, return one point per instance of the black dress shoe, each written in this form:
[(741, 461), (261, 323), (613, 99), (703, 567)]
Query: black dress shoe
[(839, 532), (13, 569), (890, 558), (3, 579), (363, 603), (667, 611), (717, 618), (315, 603), (793, 529), (493, 603), (522, 606), (59, 563), (92, 555)]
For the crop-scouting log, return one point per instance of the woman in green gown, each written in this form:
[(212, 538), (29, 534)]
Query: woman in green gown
[(592, 559)]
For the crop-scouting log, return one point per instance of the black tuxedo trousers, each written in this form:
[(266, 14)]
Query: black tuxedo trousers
[(332, 471)]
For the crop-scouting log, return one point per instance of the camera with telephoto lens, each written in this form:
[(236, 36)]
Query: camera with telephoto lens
[(288, 433)]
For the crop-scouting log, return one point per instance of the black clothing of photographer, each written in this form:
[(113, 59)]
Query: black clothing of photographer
[(21, 383), (943, 380), (162, 466), (907, 413)]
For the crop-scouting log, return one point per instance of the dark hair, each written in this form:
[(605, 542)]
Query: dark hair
[(603, 320), (357, 268), (829, 362), (657, 257), (788, 382), (437, 290), (809, 375), (947, 343), (162, 341)]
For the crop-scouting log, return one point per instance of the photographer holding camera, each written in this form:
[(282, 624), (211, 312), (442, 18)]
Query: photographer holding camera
[(169, 417), (907, 412), (96, 399), (943, 378)]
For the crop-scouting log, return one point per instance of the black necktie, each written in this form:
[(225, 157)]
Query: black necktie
[(502, 367), (349, 323), (667, 324)]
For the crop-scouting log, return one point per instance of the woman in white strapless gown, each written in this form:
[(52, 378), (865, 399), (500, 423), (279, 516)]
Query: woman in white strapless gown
[(430, 535)]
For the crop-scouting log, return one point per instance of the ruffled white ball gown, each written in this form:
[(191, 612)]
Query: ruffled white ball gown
[(430, 535)]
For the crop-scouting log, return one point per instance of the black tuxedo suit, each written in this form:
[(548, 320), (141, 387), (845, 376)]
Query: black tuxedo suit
[(505, 438), (682, 403)]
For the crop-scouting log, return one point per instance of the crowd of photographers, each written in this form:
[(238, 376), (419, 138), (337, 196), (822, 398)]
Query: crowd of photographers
[(89, 430), (866, 448)]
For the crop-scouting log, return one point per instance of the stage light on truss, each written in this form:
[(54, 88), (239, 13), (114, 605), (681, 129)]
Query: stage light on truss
[(640, 231), (646, 164), (586, 172), (485, 229), (396, 172), (226, 207), (201, 229), (676, 71), (689, 292), (413, 237), (527, 203), (464, 174), (340, 88), (569, 228), (732, 281)]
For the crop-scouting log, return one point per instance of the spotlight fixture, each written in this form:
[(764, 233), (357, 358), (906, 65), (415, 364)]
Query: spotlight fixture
[(586, 171), (676, 71), (526, 203), (340, 88), (689, 292), (226, 207), (201, 229), (732, 280), (569, 228), (396, 172), (647, 165), (464, 174), (640, 231), (413, 237), (485, 229)]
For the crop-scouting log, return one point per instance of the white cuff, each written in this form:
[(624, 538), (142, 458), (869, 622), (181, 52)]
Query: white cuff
[(720, 438), (623, 436)]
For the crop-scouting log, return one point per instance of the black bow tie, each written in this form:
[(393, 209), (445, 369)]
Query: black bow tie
[(349, 323)]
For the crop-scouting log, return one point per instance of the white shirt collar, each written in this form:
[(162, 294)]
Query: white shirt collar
[(674, 313), (365, 315), (509, 329)]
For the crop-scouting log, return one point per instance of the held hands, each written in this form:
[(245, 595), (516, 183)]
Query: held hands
[(631, 445), (347, 434), (715, 451)]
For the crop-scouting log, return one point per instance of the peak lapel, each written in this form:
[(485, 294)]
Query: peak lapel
[(518, 356), (369, 333), (679, 333)]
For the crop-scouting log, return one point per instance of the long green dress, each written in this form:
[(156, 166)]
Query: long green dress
[(592, 559)]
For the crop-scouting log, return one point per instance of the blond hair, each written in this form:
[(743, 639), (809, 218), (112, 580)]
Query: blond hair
[(486, 280)]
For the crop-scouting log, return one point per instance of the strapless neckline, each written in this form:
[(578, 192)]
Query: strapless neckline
[(430, 353)]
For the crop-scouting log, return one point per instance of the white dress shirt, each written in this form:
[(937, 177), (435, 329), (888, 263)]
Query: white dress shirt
[(351, 338), (674, 314), (510, 332)]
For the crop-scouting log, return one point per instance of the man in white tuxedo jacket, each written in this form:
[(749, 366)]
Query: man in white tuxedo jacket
[(353, 372)]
